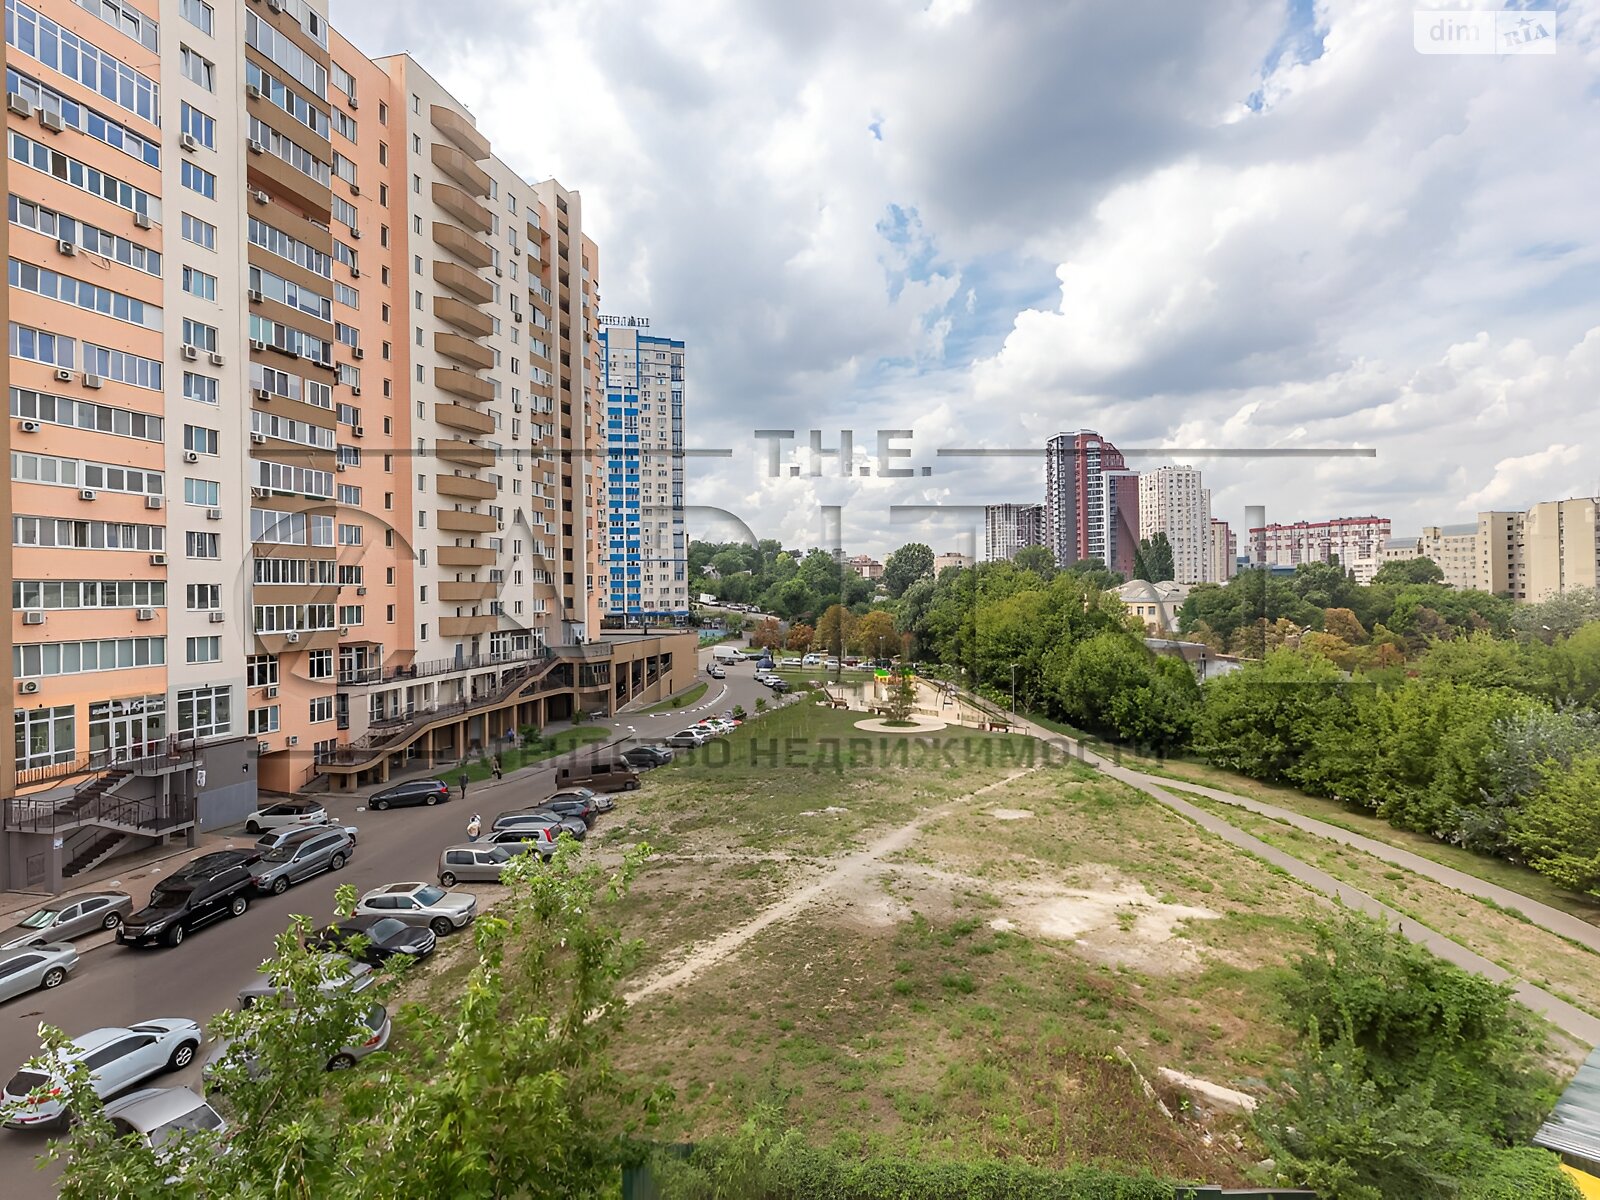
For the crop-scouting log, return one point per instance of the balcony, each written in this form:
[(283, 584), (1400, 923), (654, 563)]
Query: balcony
[(465, 556), (459, 416), (464, 350), (463, 487), (461, 168), (464, 383), (462, 244), (456, 521), (465, 317), (468, 593), (460, 131), (465, 453), (467, 626), (463, 282), (462, 207)]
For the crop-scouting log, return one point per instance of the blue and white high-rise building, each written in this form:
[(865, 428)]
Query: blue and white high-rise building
[(646, 544)]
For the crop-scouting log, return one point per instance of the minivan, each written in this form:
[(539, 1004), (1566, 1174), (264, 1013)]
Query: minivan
[(473, 861), (599, 777)]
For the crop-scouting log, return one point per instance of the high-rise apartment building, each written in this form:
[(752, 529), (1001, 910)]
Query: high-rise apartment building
[(1344, 538), (1499, 545), (1451, 548), (1222, 551), (1091, 501), (1008, 528), (647, 554), (1560, 548), (1175, 502), (305, 407)]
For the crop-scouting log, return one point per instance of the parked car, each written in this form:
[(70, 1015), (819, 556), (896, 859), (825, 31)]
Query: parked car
[(786, 663), (599, 777), (156, 1115), (599, 800), (213, 886), (415, 791), (285, 834), (286, 813), (29, 968), (716, 672), (644, 757), (67, 918), (811, 660), (831, 664), (473, 861), (524, 839), (305, 855), (568, 804), (689, 738), (779, 686), (540, 817), (386, 938), (421, 904), (340, 972), (717, 725), (370, 1035), (116, 1060)]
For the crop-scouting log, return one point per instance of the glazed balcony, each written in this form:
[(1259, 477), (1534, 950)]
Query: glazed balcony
[(464, 383), (464, 350), (460, 131)]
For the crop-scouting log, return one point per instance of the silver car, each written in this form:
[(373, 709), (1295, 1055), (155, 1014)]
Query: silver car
[(421, 904), (341, 973), (116, 1060), (306, 854), (156, 1115), (370, 1036), (473, 861), (274, 838), (69, 917), (27, 968), (537, 817)]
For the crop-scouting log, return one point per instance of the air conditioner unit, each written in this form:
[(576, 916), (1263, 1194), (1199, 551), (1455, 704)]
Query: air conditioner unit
[(355, 272), (361, 591), (51, 120), (343, 467), (499, 274), (189, 142), (191, 456), (260, 439), (252, 91), (33, 618), (355, 234), (213, 514), (217, 360), (146, 614), (355, 389), (158, 560), (63, 375), (357, 353), (355, 189), (255, 296), (69, 248), (93, 381), (358, 431), (152, 501), (19, 104), (259, 196), (271, 692), (28, 686), (263, 747), (291, 740), (258, 344), (141, 220), (257, 148), (344, 631), (28, 426), (502, 526), (86, 494), (275, 5), (189, 353), (263, 394), (218, 618), (354, 103), (257, 493)]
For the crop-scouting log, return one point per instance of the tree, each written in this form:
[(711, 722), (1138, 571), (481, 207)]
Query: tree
[(1261, 721), (1323, 584), (1559, 830), (768, 635), (1113, 685), (468, 1099), (801, 636), (1557, 616), (1095, 573), (1152, 559), (905, 566), (1041, 560), (835, 630), (875, 634), (902, 697), (1410, 570), (1344, 625)]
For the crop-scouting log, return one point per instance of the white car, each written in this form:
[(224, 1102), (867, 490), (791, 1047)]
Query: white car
[(116, 1060), (791, 662), (690, 738), (716, 726), (156, 1115), (275, 816), (811, 660)]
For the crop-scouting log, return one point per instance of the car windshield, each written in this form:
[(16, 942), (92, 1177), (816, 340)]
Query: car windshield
[(281, 853), (42, 919), (201, 1117), (429, 895), (173, 892), (385, 929)]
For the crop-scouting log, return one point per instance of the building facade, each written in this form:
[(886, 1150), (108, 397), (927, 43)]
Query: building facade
[(1091, 501), (1008, 528), (647, 550), (1174, 501), (1222, 551), (1451, 548), (953, 558), (1500, 554), (1157, 605), (1559, 549), (305, 404), (1344, 538)]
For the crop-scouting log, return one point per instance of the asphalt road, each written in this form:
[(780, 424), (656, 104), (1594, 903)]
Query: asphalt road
[(117, 986)]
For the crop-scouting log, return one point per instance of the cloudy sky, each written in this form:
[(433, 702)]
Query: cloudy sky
[(1230, 224)]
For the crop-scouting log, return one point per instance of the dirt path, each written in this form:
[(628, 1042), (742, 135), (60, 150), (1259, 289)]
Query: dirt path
[(848, 872)]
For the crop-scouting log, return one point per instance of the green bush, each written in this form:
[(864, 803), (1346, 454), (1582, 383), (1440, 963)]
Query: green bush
[(1525, 1173)]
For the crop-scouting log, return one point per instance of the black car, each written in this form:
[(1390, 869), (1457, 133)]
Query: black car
[(780, 686), (211, 887), (386, 938), (415, 791), (585, 810), (642, 758)]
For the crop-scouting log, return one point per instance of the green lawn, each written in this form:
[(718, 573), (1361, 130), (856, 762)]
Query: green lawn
[(682, 698), (549, 747)]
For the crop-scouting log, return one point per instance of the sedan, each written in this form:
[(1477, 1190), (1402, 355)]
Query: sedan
[(68, 918), (645, 757), (28, 968), (275, 816), (415, 791), (421, 904), (370, 1035), (716, 672), (689, 738), (386, 938), (156, 1115), (116, 1060)]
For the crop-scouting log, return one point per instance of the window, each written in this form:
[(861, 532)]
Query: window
[(197, 180), (342, 79), (383, 113), (349, 535), (290, 151), (203, 650), (197, 12), (85, 414), (204, 597), (285, 97), (383, 195), (46, 736), (198, 333), (202, 388), (344, 168), (416, 184), (202, 545), (320, 709), (282, 51), (200, 439), (277, 242), (197, 283), (205, 711), (79, 293), (197, 124), (198, 68), (86, 535), (202, 493), (262, 720), (79, 658), (344, 211), (346, 295), (344, 124), (319, 664), (201, 233), (351, 614), (261, 670), (39, 37)]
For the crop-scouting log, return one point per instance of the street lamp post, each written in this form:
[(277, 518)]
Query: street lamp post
[(1013, 689)]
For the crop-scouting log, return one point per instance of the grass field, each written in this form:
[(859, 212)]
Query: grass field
[(550, 746), (686, 697)]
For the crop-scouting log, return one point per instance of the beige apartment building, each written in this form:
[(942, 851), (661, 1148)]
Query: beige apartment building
[(304, 415), (1560, 548), (1175, 501), (1452, 548)]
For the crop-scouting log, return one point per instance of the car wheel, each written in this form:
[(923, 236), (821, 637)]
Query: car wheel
[(251, 827), (280, 885), (380, 805), (433, 798), (441, 926), (341, 1062), (52, 978), (112, 921), (174, 936), (448, 879), (337, 862), (237, 905), (182, 1056)]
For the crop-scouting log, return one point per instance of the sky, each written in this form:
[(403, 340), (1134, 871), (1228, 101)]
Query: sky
[(1242, 224)]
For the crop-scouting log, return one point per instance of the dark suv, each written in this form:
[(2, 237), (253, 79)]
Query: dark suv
[(211, 887), (415, 791), (644, 757)]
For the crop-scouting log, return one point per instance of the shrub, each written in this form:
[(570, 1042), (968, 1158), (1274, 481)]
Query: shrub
[(738, 712)]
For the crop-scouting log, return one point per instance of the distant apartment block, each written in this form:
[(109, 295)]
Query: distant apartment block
[(1560, 548), (1452, 548), (1091, 501), (865, 566), (1174, 501), (942, 562), (1155, 604), (1222, 551), (1008, 528), (1499, 547), (1344, 538)]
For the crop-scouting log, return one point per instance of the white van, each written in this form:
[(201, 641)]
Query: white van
[(726, 655)]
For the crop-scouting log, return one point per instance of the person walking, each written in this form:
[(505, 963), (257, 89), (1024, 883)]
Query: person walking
[(463, 781), (494, 765), (474, 827)]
